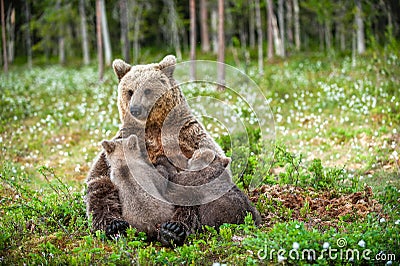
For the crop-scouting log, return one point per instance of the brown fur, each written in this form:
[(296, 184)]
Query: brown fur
[(133, 82), (102, 198), (139, 209), (199, 173)]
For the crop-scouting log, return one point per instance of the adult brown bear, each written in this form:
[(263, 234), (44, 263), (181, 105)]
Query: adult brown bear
[(147, 95)]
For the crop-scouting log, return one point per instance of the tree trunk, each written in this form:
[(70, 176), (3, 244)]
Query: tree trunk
[(221, 46), (173, 29), (289, 22), (85, 42), (205, 39), (28, 33), (61, 50), (281, 19), (124, 30), (277, 39), (11, 32), (136, 43), (389, 17), (259, 38), (105, 34), (192, 10), (270, 13), (61, 39), (296, 24), (99, 39), (3, 35), (135, 15), (341, 30), (321, 37), (252, 38), (342, 38), (328, 35), (214, 30), (360, 28), (353, 48)]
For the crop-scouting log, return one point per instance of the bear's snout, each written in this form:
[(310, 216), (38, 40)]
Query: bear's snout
[(136, 111)]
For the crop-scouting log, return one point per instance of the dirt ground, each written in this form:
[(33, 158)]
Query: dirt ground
[(314, 209)]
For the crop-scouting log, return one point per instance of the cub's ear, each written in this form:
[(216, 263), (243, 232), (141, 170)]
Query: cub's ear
[(133, 142), (167, 65), (109, 146), (121, 68)]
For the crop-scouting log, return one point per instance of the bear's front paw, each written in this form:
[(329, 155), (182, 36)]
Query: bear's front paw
[(172, 234), (116, 228)]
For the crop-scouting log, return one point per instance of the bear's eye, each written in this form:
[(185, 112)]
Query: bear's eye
[(130, 93), (147, 91)]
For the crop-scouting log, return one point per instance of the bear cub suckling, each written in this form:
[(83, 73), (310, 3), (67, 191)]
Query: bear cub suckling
[(152, 213)]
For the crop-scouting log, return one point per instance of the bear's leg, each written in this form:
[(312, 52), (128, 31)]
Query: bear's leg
[(102, 202), (231, 208), (172, 234), (116, 228), (102, 199), (184, 222)]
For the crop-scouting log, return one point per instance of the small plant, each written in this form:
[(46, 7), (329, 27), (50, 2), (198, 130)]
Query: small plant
[(305, 209)]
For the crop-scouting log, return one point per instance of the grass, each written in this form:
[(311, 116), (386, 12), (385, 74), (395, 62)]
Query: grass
[(337, 128)]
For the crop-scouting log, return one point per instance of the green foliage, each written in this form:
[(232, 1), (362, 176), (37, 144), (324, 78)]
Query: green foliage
[(314, 175)]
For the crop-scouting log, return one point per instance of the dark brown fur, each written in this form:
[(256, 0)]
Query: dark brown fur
[(190, 215)]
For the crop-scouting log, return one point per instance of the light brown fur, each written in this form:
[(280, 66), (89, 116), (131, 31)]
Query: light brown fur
[(141, 210)]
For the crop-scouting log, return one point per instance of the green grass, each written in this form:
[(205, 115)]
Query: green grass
[(337, 128)]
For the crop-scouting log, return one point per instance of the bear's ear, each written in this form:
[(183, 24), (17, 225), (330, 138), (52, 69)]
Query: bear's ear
[(133, 142), (121, 68), (227, 161), (109, 146), (167, 65)]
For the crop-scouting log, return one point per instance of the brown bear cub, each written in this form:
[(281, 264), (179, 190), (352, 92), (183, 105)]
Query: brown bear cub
[(139, 209), (145, 212), (203, 167)]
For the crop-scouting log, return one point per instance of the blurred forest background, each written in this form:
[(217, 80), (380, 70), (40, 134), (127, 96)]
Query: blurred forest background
[(65, 32)]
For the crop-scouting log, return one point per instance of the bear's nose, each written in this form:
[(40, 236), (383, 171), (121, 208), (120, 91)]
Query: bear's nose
[(135, 111)]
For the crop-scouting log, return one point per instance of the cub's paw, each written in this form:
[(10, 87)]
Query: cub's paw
[(172, 234), (116, 228)]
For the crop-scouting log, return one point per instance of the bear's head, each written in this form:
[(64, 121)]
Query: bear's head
[(119, 151), (147, 92)]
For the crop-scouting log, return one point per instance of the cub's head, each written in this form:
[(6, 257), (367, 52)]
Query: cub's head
[(120, 151), (146, 92), (203, 158)]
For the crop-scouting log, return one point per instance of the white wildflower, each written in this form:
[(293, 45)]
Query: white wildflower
[(280, 258)]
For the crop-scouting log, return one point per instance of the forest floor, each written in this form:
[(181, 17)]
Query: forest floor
[(330, 195)]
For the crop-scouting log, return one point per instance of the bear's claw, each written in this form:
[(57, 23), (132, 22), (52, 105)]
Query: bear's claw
[(172, 234), (116, 228)]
